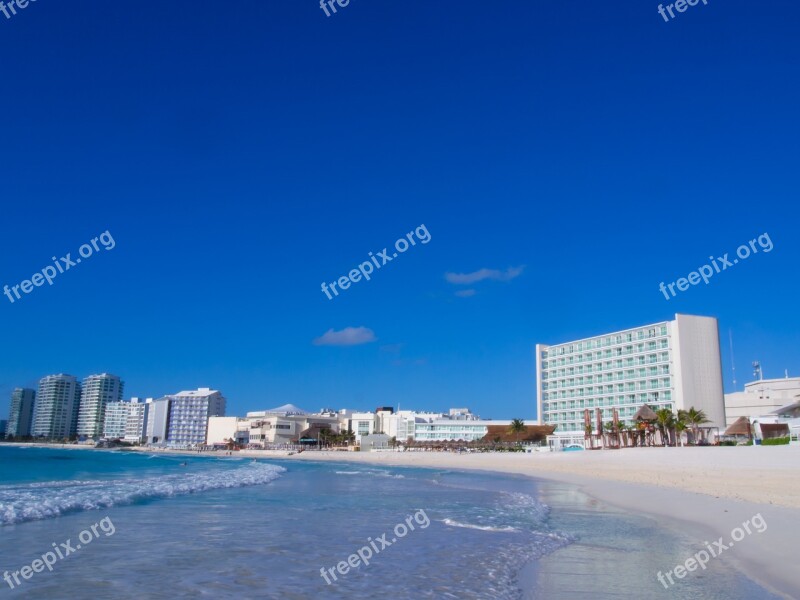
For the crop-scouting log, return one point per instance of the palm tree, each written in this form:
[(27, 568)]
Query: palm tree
[(633, 434), (348, 436), (608, 432), (665, 420), (327, 436), (694, 418), (587, 435), (517, 427), (680, 427)]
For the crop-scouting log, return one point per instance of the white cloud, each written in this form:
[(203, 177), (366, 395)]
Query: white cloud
[(349, 336), (495, 274), (465, 293)]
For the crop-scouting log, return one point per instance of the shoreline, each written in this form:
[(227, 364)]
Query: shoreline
[(766, 559), (703, 493)]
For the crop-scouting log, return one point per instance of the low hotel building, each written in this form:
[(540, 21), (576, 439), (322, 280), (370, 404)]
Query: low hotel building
[(761, 397), (265, 428)]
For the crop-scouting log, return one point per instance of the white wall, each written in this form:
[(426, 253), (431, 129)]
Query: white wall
[(698, 367), (221, 429)]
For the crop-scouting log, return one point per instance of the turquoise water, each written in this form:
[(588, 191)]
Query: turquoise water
[(218, 527)]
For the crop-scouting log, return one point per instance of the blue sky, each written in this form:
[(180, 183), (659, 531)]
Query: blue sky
[(240, 154)]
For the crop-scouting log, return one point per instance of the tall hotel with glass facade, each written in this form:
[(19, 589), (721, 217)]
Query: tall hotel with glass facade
[(672, 364)]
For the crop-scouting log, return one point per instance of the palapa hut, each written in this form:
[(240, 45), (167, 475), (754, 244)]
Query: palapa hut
[(740, 427), (645, 417), (530, 434), (645, 413)]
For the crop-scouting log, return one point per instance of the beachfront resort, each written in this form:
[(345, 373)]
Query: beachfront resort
[(656, 384)]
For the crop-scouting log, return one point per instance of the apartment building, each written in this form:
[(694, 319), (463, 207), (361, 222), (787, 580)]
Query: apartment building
[(20, 414), (136, 424), (55, 412), (116, 420), (97, 392)]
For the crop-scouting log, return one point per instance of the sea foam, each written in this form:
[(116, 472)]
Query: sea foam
[(35, 501)]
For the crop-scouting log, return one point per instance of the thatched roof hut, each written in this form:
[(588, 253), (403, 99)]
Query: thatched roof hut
[(645, 413), (740, 426), (531, 433)]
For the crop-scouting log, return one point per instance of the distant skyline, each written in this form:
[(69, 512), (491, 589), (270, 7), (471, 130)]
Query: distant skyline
[(743, 374), (566, 161)]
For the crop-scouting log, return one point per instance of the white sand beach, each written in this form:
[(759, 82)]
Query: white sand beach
[(703, 492)]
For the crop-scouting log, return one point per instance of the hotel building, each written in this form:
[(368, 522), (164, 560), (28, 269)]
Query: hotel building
[(189, 413), (283, 425), (97, 392), (116, 418), (55, 412), (439, 430), (761, 397), (20, 415), (672, 364), (137, 420), (127, 420)]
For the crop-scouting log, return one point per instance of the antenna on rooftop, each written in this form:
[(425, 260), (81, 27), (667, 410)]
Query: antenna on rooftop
[(757, 372), (733, 361)]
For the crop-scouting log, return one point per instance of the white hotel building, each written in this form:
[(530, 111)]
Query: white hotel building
[(671, 364), (55, 411), (97, 392), (189, 412)]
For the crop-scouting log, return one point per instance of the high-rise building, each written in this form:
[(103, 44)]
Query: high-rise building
[(189, 413), (157, 421), (3, 427), (20, 415), (672, 364), (55, 412), (135, 427), (97, 392)]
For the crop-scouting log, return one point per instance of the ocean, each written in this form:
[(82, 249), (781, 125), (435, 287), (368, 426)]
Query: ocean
[(120, 524)]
